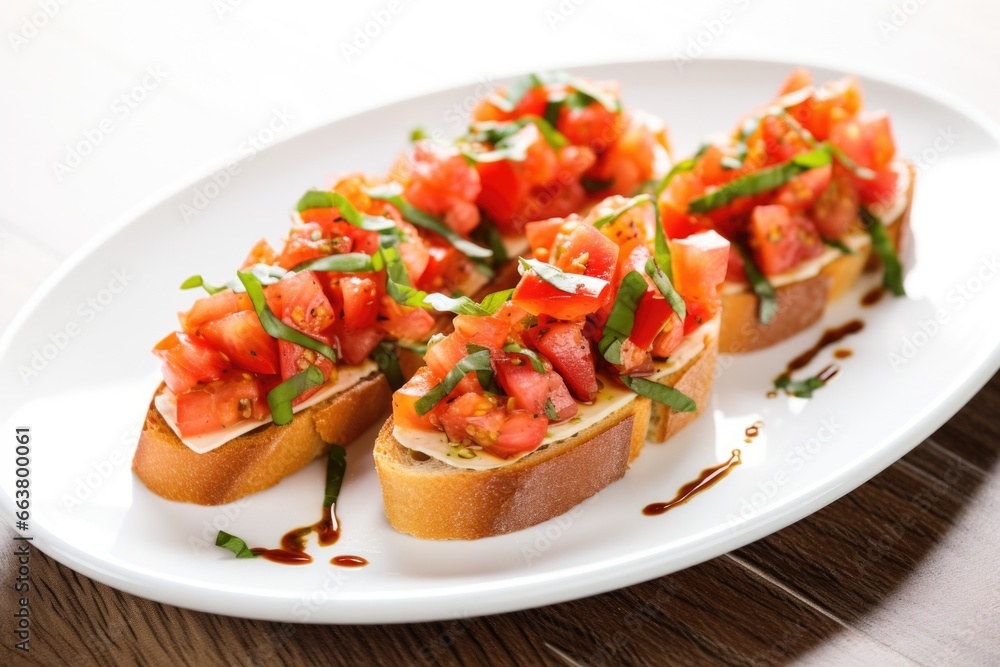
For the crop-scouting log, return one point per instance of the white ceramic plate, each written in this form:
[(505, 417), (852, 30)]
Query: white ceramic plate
[(90, 344)]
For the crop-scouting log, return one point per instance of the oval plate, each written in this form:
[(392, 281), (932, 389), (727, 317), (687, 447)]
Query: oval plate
[(77, 371)]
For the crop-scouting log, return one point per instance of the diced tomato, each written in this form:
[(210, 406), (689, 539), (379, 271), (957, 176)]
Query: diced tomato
[(829, 104), (669, 338), (405, 322), (442, 182), (633, 226), (360, 298), (634, 360), (564, 344), (542, 234), (519, 379), (361, 240), (540, 162), (213, 307), (473, 417), (836, 209), (879, 190), (489, 332), (673, 202), (866, 139), (243, 340), (780, 240), (188, 360), (354, 346), (261, 253), (801, 192), (295, 359), (531, 103), (299, 301), (502, 195), (585, 250), (700, 309), (736, 268), (799, 78), (537, 296), (650, 317), (522, 432), (565, 406), (413, 252), (218, 405), (699, 263), (592, 125), (443, 355), (403, 411)]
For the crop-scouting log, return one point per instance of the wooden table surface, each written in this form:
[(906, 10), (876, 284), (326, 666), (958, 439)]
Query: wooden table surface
[(902, 571)]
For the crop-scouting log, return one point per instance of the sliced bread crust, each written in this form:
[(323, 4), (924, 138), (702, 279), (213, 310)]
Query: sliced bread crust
[(259, 459)]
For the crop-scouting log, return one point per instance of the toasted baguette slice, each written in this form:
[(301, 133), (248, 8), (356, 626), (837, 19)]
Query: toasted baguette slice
[(802, 302), (433, 500), (259, 459)]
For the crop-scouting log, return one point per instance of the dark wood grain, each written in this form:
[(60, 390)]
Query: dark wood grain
[(901, 571)]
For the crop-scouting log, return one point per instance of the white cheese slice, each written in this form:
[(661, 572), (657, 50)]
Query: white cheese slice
[(887, 213), (611, 398), (166, 403)]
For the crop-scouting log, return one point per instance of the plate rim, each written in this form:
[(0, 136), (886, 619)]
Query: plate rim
[(147, 584)]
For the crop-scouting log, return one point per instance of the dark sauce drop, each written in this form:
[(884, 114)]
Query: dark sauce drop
[(752, 431), (872, 296), (708, 478), (772, 394), (842, 353), (283, 556), (348, 561), (829, 337)]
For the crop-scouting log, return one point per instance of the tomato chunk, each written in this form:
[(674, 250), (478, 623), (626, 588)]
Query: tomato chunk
[(528, 387), (403, 411), (564, 344), (188, 360), (241, 337), (585, 250), (537, 296), (699, 263), (522, 432), (220, 404), (360, 302)]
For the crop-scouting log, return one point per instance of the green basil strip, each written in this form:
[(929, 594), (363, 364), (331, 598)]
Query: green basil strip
[(508, 142), (536, 361), (666, 288), (799, 388), (550, 410), (863, 173), (478, 361), (197, 281), (388, 362), (336, 466), (839, 245), (892, 279), (418, 133), (571, 283), (622, 318), (429, 222), (280, 398), (234, 544), (661, 393), (760, 285), (276, 327), (350, 262), (386, 227), (493, 302), (764, 180)]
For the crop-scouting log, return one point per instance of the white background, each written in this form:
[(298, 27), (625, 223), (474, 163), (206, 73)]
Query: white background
[(226, 67)]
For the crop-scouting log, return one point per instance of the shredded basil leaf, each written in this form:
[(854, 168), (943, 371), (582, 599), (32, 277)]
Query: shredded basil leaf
[(350, 262), (617, 213), (839, 245), (760, 285), (336, 466), (509, 143), (234, 544), (385, 226), (550, 410), (571, 283), (661, 393), (622, 318), (764, 180), (388, 362), (197, 281), (493, 302), (418, 133), (666, 288), (280, 398), (863, 173), (392, 195), (799, 388), (478, 361), (536, 361), (274, 326), (892, 279)]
